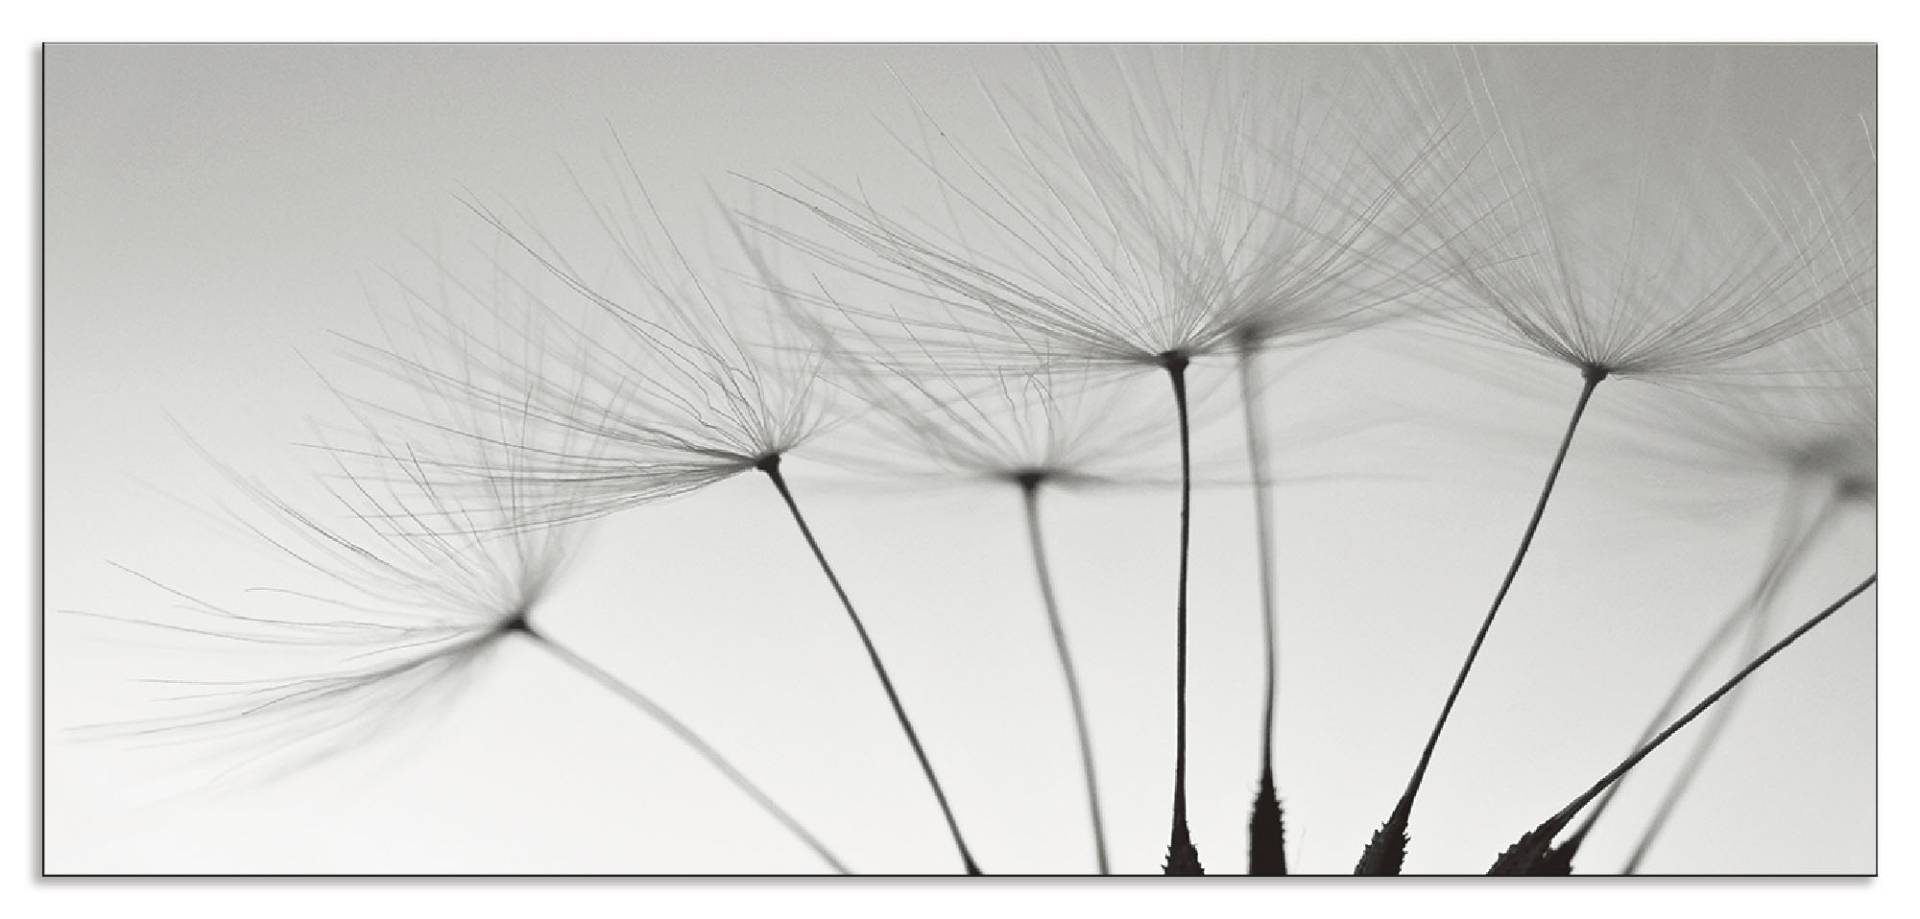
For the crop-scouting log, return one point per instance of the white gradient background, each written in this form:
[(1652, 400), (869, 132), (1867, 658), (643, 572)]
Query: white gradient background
[(213, 213)]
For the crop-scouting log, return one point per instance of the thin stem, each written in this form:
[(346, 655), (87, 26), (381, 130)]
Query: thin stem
[(1183, 857), (1030, 497), (1759, 605), (1263, 536), (1696, 757), (1525, 854), (1731, 683), (1789, 547), (1266, 827), (771, 466), (1591, 379), (686, 735)]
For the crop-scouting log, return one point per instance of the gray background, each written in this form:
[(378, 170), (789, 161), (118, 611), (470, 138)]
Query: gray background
[(213, 213)]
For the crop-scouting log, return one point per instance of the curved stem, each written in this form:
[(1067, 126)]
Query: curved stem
[(1030, 498), (1266, 827), (1760, 604), (687, 736), (1183, 858), (1694, 668), (1591, 380), (1789, 546), (771, 466), (1524, 855), (1696, 757), (1263, 536), (1731, 683)]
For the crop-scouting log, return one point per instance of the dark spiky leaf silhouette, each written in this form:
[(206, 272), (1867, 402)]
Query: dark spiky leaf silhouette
[(1183, 860), (1529, 855), (1667, 284), (1185, 223), (1387, 850), (1267, 833), (1558, 862)]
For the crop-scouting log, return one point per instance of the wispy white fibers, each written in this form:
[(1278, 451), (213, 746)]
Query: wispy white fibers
[(655, 370), (1638, 255), (1142, 203), (1147, 209), (1802, 426), (1064, 425), (705, 377), (1031, 430), (420, 582), (1634, 256), (407, 604)]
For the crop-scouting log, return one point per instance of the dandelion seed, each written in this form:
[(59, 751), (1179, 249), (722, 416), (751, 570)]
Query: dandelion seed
[(671, 401), (1643, 277), (1217, 204), (1033, 430), (1200, 215), (1054, 426), (411, 608), (1814, 431), (683, 399)]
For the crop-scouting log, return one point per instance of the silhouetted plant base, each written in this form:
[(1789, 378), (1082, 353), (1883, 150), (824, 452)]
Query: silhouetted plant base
[(1529, 854), (1267, 827), (1384, 854), (1558, 862), (1182, 857), (1387, 850), (1267, 832), (1183, 860)]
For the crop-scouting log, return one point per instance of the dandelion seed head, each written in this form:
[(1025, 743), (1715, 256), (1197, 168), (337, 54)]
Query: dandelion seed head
[(655, 370), (1053, 427), (393, 591), (1809, 409), (1810, 431), (1222, 199), (1636, 258)]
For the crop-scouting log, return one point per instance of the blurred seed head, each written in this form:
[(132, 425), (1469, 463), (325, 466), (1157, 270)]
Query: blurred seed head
[(1044, 426), (392, 594), (1806, 412), (1816, 430)]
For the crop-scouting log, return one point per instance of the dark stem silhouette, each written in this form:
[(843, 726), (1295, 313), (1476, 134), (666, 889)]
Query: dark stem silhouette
[(771, 466), (680, 730), (1267, 826), (1386, 851), (1182, 857), (1703, 746), (1524, 856), (1696, 757), (1030, 498), (1786, 552)]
